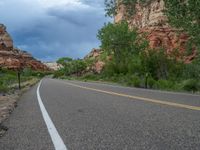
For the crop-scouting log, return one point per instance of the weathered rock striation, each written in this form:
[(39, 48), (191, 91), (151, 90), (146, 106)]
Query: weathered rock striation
[(13, 58), (151, 19)]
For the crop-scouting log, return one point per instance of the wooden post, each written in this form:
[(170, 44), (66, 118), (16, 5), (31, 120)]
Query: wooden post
[(19, 79), (19, 70)]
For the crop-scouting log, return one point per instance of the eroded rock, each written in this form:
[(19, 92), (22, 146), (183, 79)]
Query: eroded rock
[(13, 58), (151, 19)]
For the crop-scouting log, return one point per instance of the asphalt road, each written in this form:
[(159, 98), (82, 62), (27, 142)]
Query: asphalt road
[(93, 116)]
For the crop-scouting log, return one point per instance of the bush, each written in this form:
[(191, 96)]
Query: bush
[(132, 80), (165, 84), (27, 72), (90, 76), (136, 81), (109, 69), (58, 73), (151, 82), (3, 88), (191, 85)]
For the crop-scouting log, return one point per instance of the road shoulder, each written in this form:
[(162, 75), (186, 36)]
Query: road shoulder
[(8, 102)]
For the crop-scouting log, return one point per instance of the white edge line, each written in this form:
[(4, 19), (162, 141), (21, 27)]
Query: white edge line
[(55, 137)]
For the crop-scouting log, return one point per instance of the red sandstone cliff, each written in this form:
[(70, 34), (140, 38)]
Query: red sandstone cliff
[(152, 20), (13, 58)]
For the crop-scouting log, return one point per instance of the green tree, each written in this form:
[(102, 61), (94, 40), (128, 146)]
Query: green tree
[(64, 60), (185, 15), (66, 63), (182, 14), (78, 66), (159, 65), (121, 43), (70, 67)]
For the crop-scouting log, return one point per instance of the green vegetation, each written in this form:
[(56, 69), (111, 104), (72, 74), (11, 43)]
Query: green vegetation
[(112, 6), (70, 66), (185, 15), (133, 63), (9, 80), (182, 14)]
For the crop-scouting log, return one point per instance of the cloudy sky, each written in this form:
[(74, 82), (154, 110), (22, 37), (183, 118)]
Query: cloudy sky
[(50, 29)]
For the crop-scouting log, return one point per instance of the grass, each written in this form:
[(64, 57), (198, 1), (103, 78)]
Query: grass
[(9, 79), (190, 85)]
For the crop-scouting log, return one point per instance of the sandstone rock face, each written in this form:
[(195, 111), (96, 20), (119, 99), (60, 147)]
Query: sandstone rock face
[(150, 15), (5, 39), (12, 58), (94, 53), (152, 20), (98, 65), (53, 65)]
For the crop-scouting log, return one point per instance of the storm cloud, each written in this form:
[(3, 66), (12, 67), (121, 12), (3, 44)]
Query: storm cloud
[(50, 29)]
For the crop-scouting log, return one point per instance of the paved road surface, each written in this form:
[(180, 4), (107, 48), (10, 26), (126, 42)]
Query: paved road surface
[(91, 116)]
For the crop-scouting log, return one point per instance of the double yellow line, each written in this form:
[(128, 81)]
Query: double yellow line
[(140, 98)]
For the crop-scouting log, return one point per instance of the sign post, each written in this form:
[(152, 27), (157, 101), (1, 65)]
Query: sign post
[(20, 69), (19, 79)]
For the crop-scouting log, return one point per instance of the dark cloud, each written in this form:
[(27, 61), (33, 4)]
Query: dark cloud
[(58, 31)]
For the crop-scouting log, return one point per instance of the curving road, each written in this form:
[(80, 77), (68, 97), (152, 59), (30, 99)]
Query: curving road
[(73, 115)]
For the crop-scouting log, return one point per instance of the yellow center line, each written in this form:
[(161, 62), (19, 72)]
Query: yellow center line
[(139, 98)]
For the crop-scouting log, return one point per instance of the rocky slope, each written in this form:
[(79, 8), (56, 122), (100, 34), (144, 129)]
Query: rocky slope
[(151, 19), (13, 58), (97, 64)]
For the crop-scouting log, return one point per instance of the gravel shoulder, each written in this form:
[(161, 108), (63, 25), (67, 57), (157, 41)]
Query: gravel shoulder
[(8, 102)]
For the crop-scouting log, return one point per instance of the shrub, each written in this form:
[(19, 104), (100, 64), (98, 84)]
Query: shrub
[(164, 84), (27, 72), (90, 76), (136, 81), (58, 73), (3, 87), (132, 80), (151, 82), (191, 85), (109, 69)]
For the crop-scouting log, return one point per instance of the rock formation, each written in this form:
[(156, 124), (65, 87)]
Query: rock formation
[(98, 64), (53, 65), (13, 58), (151, 19)]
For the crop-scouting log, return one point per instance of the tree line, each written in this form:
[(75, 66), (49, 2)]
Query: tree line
[(133, 62)]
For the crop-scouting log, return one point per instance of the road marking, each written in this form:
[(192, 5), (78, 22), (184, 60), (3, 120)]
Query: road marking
[(148, 90), (55, 137), (139, 98)]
